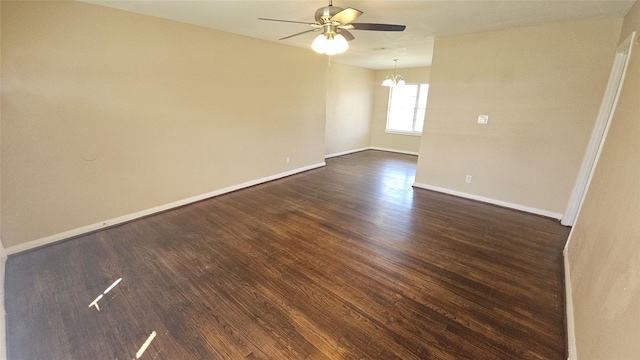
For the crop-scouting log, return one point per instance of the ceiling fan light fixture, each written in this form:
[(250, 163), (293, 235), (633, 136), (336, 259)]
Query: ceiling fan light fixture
[(339, 44), (330, 44), (319, 44)]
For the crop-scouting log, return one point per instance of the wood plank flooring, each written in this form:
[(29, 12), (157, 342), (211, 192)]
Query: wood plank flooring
[(343, 262)]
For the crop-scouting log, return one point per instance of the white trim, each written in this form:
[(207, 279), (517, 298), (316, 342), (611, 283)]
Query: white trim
[(398, 132), (370, 148), (345, 152), (125, 218), (600, 129), (568, 298), (490, 201), (625, 47), (393, 150), (583, 184)]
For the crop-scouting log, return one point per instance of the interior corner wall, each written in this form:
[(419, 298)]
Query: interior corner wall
[(107, 113), (379, 138), (349, 97), (541, 87), (604, 245)]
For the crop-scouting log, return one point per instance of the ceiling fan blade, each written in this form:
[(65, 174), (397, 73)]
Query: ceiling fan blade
[(376, 27), (289, 21), (300, 33), (347, 35), (346, 16)]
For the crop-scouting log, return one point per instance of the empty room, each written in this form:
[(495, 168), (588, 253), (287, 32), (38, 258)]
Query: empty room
[(320, 179)]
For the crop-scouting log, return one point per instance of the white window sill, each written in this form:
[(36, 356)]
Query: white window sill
[(397, 132)]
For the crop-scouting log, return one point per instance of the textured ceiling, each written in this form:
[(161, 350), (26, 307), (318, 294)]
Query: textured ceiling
[(425, 20)]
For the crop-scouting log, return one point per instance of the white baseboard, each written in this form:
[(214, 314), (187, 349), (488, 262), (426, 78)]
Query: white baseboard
[(345, 152), (490, 201), (370, 148), (568, 298), (125, 218), (393, 150)]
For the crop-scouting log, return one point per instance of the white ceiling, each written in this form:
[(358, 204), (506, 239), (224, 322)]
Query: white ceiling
[(425, 20)]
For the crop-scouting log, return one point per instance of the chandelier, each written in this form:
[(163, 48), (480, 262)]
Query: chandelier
[(393, 80)]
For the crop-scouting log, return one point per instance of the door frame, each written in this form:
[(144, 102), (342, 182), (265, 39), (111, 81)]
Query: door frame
[(600, 129)]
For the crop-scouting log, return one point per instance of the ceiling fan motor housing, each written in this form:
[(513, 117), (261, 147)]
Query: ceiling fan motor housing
[(324, 14)]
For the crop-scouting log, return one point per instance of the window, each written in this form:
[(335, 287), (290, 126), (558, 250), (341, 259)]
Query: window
[(407, 106)]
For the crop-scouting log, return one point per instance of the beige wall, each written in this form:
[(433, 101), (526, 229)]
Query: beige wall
[(380, 139), (3, 254), (107, 113), (604, 245), (357, 109), (349, 96), (541, 87)]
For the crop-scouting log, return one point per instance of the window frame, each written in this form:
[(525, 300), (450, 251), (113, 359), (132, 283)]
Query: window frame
[(415, 112)]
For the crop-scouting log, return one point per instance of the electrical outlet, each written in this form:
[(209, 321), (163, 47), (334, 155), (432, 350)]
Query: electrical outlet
[(468, 179), (287, 160), (483, 119)]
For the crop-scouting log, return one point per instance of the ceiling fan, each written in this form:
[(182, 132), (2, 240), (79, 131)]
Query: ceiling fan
[(334, 24)]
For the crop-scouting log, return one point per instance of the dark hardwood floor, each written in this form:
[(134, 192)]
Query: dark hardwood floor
[(343, 262)]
